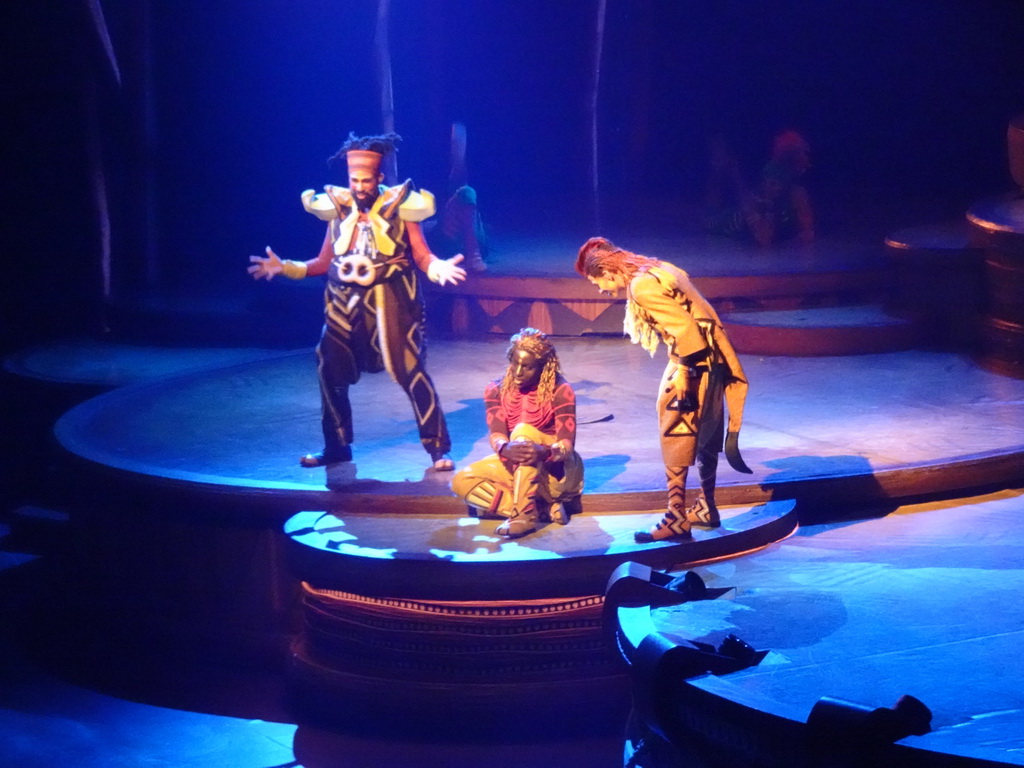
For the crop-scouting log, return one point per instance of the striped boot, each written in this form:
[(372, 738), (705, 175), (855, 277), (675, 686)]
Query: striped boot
[(672, 525)]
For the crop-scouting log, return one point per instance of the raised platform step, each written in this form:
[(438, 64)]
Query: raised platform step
[(850, 330), (422, 613), (569, 306), (453, 558), (37, 530), (210, 437), (529, 281)]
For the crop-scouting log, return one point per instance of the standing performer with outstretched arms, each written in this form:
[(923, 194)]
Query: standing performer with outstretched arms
[(373, 304)]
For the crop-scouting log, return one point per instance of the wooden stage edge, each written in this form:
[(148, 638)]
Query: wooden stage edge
[(569, 306), (437, 561), (252, 503)]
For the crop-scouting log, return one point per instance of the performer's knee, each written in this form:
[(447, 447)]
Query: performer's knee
[(524, 431), (482, 494), (463, 481)]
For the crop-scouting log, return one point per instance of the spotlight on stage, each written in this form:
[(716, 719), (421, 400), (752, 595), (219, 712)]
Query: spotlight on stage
[(837, 725)]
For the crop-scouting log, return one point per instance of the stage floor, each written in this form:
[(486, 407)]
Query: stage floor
[(920, 600), (868, 422), (923, 601)]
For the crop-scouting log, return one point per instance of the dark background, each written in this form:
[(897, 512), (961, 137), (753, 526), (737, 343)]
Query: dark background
[(226, 110)]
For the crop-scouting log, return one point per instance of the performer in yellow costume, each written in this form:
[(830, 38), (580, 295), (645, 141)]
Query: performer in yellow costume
[(663, 306)]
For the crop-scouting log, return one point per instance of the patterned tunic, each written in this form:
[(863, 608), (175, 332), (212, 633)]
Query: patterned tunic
[(373, 306), (663, 306), (557, 418)]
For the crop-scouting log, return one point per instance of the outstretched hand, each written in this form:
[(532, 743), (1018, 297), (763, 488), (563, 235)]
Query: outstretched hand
[(444, 271), (265, 267)]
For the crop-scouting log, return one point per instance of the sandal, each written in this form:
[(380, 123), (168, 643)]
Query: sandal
[(517, 526), (442, 462), (325, 457), (557, 513)]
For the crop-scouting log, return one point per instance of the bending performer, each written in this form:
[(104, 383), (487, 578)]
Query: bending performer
[(663, 306)]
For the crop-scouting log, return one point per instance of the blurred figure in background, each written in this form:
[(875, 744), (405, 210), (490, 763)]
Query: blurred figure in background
[(777, 209)]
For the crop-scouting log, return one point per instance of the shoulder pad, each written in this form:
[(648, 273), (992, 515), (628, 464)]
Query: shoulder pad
[(418, 206), (325, 205)]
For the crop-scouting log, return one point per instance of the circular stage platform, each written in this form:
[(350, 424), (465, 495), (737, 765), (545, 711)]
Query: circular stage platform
[(463, 559), (830, 432), (196, 530), (190, 508), (920, 603)]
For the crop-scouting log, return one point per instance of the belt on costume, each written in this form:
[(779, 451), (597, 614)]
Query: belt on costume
[(357, 269)]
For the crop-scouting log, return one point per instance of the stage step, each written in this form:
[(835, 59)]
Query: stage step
[(36, 531), (810, 332), (570, 307)]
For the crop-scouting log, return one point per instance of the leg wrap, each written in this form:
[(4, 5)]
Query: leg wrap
[(675, 479), (707, 466), (485, 485), (673, 523), (483, 495), (525, 480)]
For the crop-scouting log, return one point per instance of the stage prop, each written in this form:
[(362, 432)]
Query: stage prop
[(673, 721), (998, 226), (939, 282), (414, 612), (1015, 148)]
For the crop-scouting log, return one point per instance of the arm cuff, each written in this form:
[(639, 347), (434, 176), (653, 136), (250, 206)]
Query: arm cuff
[(293, 270), (559, 450)]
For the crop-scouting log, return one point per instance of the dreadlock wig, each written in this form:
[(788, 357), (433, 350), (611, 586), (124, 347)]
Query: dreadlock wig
[(382, 145)]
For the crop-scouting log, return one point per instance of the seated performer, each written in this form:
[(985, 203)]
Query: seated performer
[(531, 417), (662, 305)]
